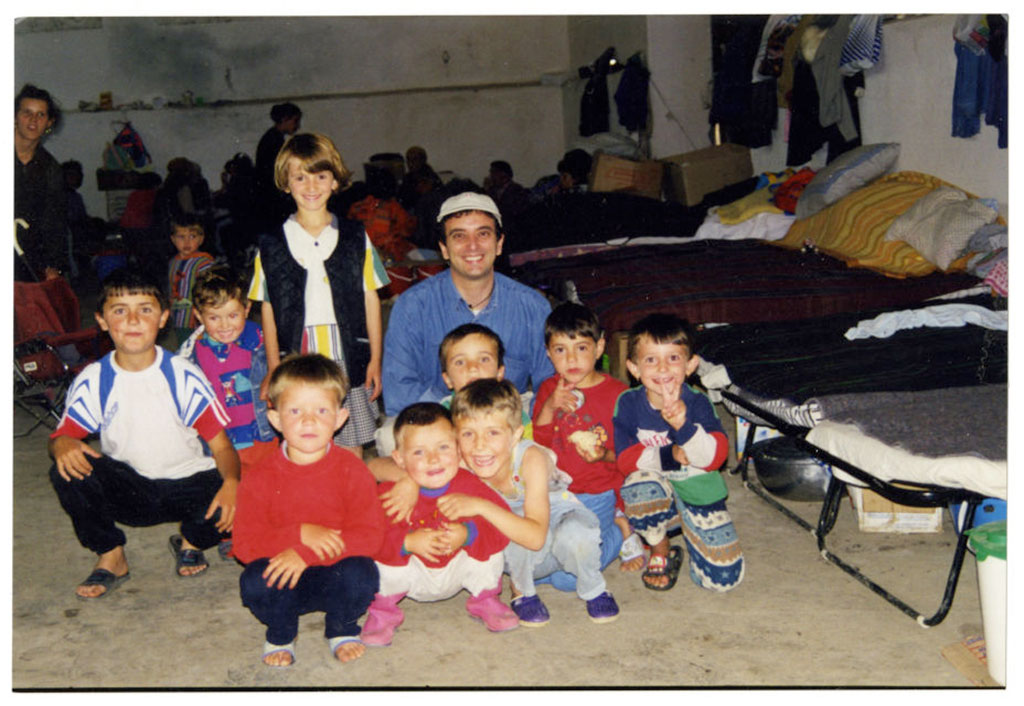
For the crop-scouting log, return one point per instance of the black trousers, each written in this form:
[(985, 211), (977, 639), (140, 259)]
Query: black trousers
[(116, 493)]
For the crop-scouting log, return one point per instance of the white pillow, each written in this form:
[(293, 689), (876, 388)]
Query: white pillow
[(845, 174), (940, 224)]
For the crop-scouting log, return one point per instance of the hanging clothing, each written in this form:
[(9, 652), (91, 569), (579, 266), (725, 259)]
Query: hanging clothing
[(863, 46), (806, 133), (789, 53), (834, 106), (631, 95), (594, 107), (733, 98), (769, 60), (981, 82)]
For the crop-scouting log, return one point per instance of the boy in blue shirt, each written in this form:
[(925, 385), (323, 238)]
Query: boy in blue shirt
[(669, 443)]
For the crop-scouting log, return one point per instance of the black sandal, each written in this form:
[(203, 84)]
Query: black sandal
[(186, 558), (668, 566), (102, 577)]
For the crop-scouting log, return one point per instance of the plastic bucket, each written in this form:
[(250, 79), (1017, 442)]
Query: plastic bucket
[(989, 544), (988, 510)]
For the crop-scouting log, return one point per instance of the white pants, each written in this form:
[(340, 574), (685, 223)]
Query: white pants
[(422, 583)]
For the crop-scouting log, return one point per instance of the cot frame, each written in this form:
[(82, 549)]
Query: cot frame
[(913, 494)]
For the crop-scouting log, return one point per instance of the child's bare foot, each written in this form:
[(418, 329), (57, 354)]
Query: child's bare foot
[(634, 564), (110, 570), (347, 649), (278, 655), (631, 556)]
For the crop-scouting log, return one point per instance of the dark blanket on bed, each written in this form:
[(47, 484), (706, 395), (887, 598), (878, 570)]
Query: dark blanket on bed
[(797, 360), (596, 217), (934, 423), (726, 281)]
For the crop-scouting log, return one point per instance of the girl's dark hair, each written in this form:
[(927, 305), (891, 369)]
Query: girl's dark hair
[(31, 91)]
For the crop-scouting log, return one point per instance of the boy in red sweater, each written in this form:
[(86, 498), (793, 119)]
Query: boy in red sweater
[(572, 416), (308, 518), (427, 556)]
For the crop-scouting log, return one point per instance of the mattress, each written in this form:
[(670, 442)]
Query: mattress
[(724, 281), (889, 462)]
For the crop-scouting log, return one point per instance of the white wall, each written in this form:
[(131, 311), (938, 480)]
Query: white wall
[(679, 47), (908, 99), (341, 70), (372, 84)]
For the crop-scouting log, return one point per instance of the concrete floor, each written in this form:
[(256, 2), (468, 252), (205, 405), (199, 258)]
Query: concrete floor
[(795, 621)]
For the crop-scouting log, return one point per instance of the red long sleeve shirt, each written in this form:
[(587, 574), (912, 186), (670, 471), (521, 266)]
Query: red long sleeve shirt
[(277, 496), (484, 539)]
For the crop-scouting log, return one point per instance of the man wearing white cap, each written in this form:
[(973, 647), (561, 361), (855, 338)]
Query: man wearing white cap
[(470, 290)]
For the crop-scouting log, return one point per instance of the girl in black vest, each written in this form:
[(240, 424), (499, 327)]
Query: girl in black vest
[(317, 276)]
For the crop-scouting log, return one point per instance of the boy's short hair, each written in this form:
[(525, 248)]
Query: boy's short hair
[(186, 220), (283, 111), (316, 153), (307, 369), (660, 328), (216, 287), (419, 414), (460, 332), (130, 280), (572, 320), (500, 165), (487, 395)]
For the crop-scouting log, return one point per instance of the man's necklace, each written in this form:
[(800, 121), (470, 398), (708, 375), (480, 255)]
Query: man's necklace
[(474, 307)]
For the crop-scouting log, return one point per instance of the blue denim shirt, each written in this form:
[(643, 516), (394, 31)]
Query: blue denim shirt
[(427, 311), (257, 371)]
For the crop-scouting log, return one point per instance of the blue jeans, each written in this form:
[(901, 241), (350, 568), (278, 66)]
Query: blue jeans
[(572, 545), (602, 505), (343, 591)]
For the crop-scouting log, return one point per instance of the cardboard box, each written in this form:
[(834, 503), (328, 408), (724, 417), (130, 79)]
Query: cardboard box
[(876, 514), (618, 341), (611, 173), (760, 434), (690, 176)]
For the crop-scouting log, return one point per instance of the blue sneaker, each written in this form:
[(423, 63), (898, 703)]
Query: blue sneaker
[(603, 609), (531, 611)]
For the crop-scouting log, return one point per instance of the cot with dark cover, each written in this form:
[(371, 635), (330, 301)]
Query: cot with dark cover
[(918, 415)]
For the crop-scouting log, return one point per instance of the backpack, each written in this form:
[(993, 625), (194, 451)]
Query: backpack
[(131, 142)]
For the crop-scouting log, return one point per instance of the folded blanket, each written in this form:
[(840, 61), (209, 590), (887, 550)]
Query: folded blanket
[(955, 421)]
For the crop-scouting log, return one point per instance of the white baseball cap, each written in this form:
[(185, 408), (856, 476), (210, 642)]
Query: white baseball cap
[(469, 201)]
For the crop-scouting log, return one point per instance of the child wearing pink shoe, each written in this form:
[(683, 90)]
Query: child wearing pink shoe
[(430, 557), (549, 527)]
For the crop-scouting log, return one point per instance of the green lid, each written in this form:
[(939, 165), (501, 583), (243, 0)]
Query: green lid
[(988, 540)]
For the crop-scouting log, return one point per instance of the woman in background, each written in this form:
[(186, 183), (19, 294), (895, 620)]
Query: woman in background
[(39, 198)]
